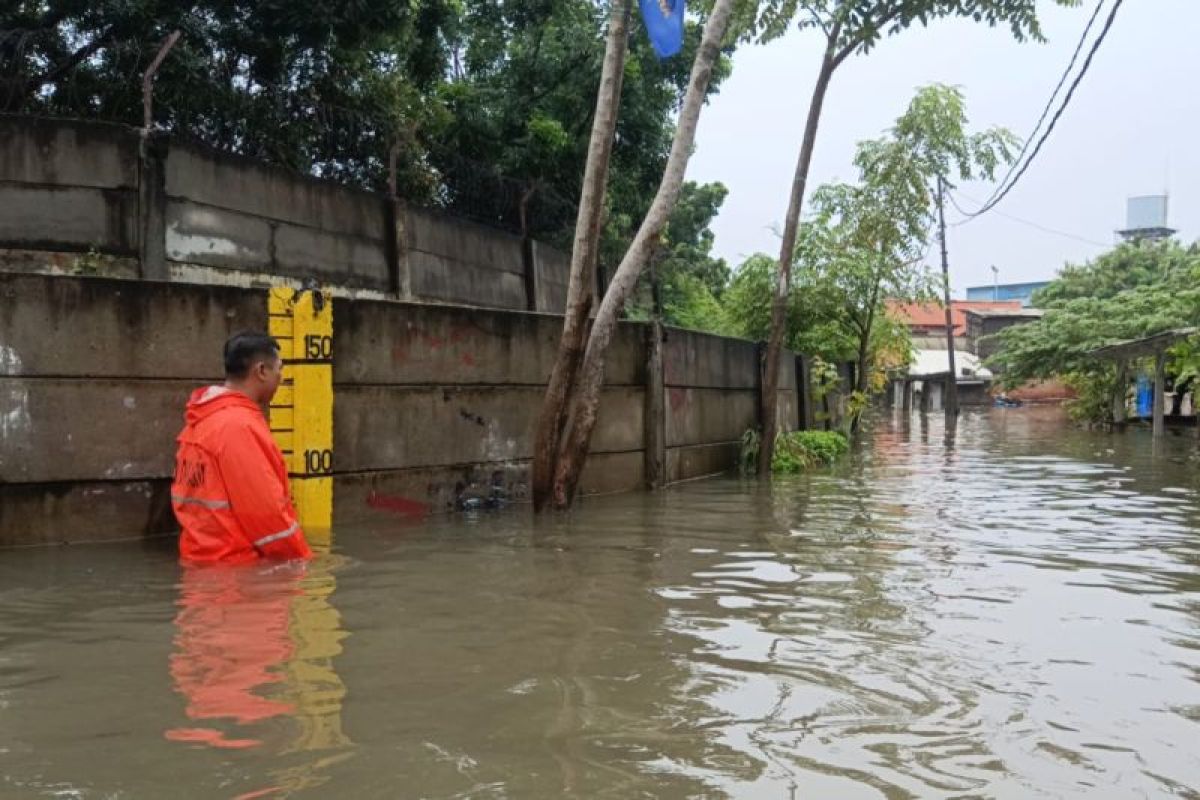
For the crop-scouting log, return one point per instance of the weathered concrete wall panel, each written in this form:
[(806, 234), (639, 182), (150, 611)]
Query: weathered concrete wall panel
[(241, 184), (95, 327), (697, 461), (79, 430), (215, 237), (406, 496), (436, 277), (68, 187), (330, 257), (553, 274), (462, 241), (59, 152), (381, 342), (704, 416), (68, 218), (384, 428), (691, 358), (87, 511)]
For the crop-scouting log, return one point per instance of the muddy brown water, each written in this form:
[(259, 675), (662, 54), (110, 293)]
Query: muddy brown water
[(1014, 616)]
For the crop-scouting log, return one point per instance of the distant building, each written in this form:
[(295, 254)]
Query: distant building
[(984, 322), (927, 321), (1021, 292), (1146, 218)]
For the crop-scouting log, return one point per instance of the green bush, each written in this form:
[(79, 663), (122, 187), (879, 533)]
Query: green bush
[(801, 450), (794, 452)]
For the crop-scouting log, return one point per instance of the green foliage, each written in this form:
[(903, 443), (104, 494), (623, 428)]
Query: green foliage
[(867, 241), (794, 452), (691, 279), (1135, 290), (1093, 388), (858, 25), (802, 450)]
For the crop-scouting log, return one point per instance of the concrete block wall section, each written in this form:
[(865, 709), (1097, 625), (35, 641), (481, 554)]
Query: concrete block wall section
[(68, 187), (434, 405), (177, 212), (712, 396)]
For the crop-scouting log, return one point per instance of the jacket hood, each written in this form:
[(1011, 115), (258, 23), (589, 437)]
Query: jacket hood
[(209, 400)]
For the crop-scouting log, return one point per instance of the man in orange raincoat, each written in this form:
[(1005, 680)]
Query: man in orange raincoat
[(230, 493)]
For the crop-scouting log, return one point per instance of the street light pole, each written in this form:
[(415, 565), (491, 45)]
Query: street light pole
[(995, 284)]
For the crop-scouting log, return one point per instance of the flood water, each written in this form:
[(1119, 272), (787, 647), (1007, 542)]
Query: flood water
[(1015, 616)]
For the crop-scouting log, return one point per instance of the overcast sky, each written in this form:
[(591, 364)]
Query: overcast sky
[(1133, 127)]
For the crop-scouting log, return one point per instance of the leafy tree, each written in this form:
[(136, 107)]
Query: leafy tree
[(1135, 290), (690, 280), (849, 27), (928, 149)]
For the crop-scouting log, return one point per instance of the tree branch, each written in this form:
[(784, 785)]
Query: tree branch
[(857, 40)]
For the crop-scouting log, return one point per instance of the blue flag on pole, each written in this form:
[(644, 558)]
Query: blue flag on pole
[(664, 24)]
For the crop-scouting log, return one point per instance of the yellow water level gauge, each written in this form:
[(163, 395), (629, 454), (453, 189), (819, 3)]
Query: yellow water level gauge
[(302, 411)]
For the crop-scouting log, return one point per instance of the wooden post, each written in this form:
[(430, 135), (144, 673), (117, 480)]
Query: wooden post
[(804, 387), (906, 403), (655, 413), (1160, 386), (1118, 401), (925, 386)]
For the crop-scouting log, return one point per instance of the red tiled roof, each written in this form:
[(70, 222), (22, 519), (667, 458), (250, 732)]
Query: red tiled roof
[(932, 316)]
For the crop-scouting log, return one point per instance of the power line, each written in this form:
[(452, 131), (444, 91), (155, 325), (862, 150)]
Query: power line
[(1053, 95), (1004, 190), (1024, 221)]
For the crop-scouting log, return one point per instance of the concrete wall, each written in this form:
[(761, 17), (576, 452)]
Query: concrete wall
[(67, 187), (87, 198), (434, 405)]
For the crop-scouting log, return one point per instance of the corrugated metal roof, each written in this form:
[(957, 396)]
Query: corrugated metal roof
[(937, 362)]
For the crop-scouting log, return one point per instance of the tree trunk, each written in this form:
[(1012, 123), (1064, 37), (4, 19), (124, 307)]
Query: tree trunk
[(950, 401), (787, 251), (552, 416), (585, 399)]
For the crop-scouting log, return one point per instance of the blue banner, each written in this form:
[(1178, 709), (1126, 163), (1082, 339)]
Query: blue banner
[(664, 25)]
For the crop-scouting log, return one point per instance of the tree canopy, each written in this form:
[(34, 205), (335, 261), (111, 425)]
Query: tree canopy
[(1135, 290)]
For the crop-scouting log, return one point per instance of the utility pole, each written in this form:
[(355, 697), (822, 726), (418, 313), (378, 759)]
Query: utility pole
[(951, 399), (995, 284)]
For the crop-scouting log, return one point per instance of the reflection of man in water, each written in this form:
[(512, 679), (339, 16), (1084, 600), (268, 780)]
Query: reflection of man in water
[(254, 661), (230, 493), (232, 638)]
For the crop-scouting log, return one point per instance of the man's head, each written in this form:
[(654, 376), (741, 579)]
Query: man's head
[(253, 365)]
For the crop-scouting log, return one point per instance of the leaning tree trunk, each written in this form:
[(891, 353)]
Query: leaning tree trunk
[(584, 251), (585, 400), (787, 251)]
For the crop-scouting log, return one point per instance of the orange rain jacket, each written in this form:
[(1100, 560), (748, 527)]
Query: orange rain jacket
[(230, 493)]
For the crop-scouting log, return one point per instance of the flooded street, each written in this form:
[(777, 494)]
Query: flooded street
[(1016, 616)]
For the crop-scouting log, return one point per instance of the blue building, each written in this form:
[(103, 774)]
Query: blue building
[(1006, 291)]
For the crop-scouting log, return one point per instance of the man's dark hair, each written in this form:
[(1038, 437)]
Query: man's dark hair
[(245, 349)]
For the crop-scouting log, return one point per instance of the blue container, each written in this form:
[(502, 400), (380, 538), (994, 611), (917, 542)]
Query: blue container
[(1145, 396)]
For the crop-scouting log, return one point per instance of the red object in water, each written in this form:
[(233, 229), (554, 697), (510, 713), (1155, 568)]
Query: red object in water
[(400, 505)]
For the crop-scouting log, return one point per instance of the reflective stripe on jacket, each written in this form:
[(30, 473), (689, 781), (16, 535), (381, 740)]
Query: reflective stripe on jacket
[(230, 492)]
